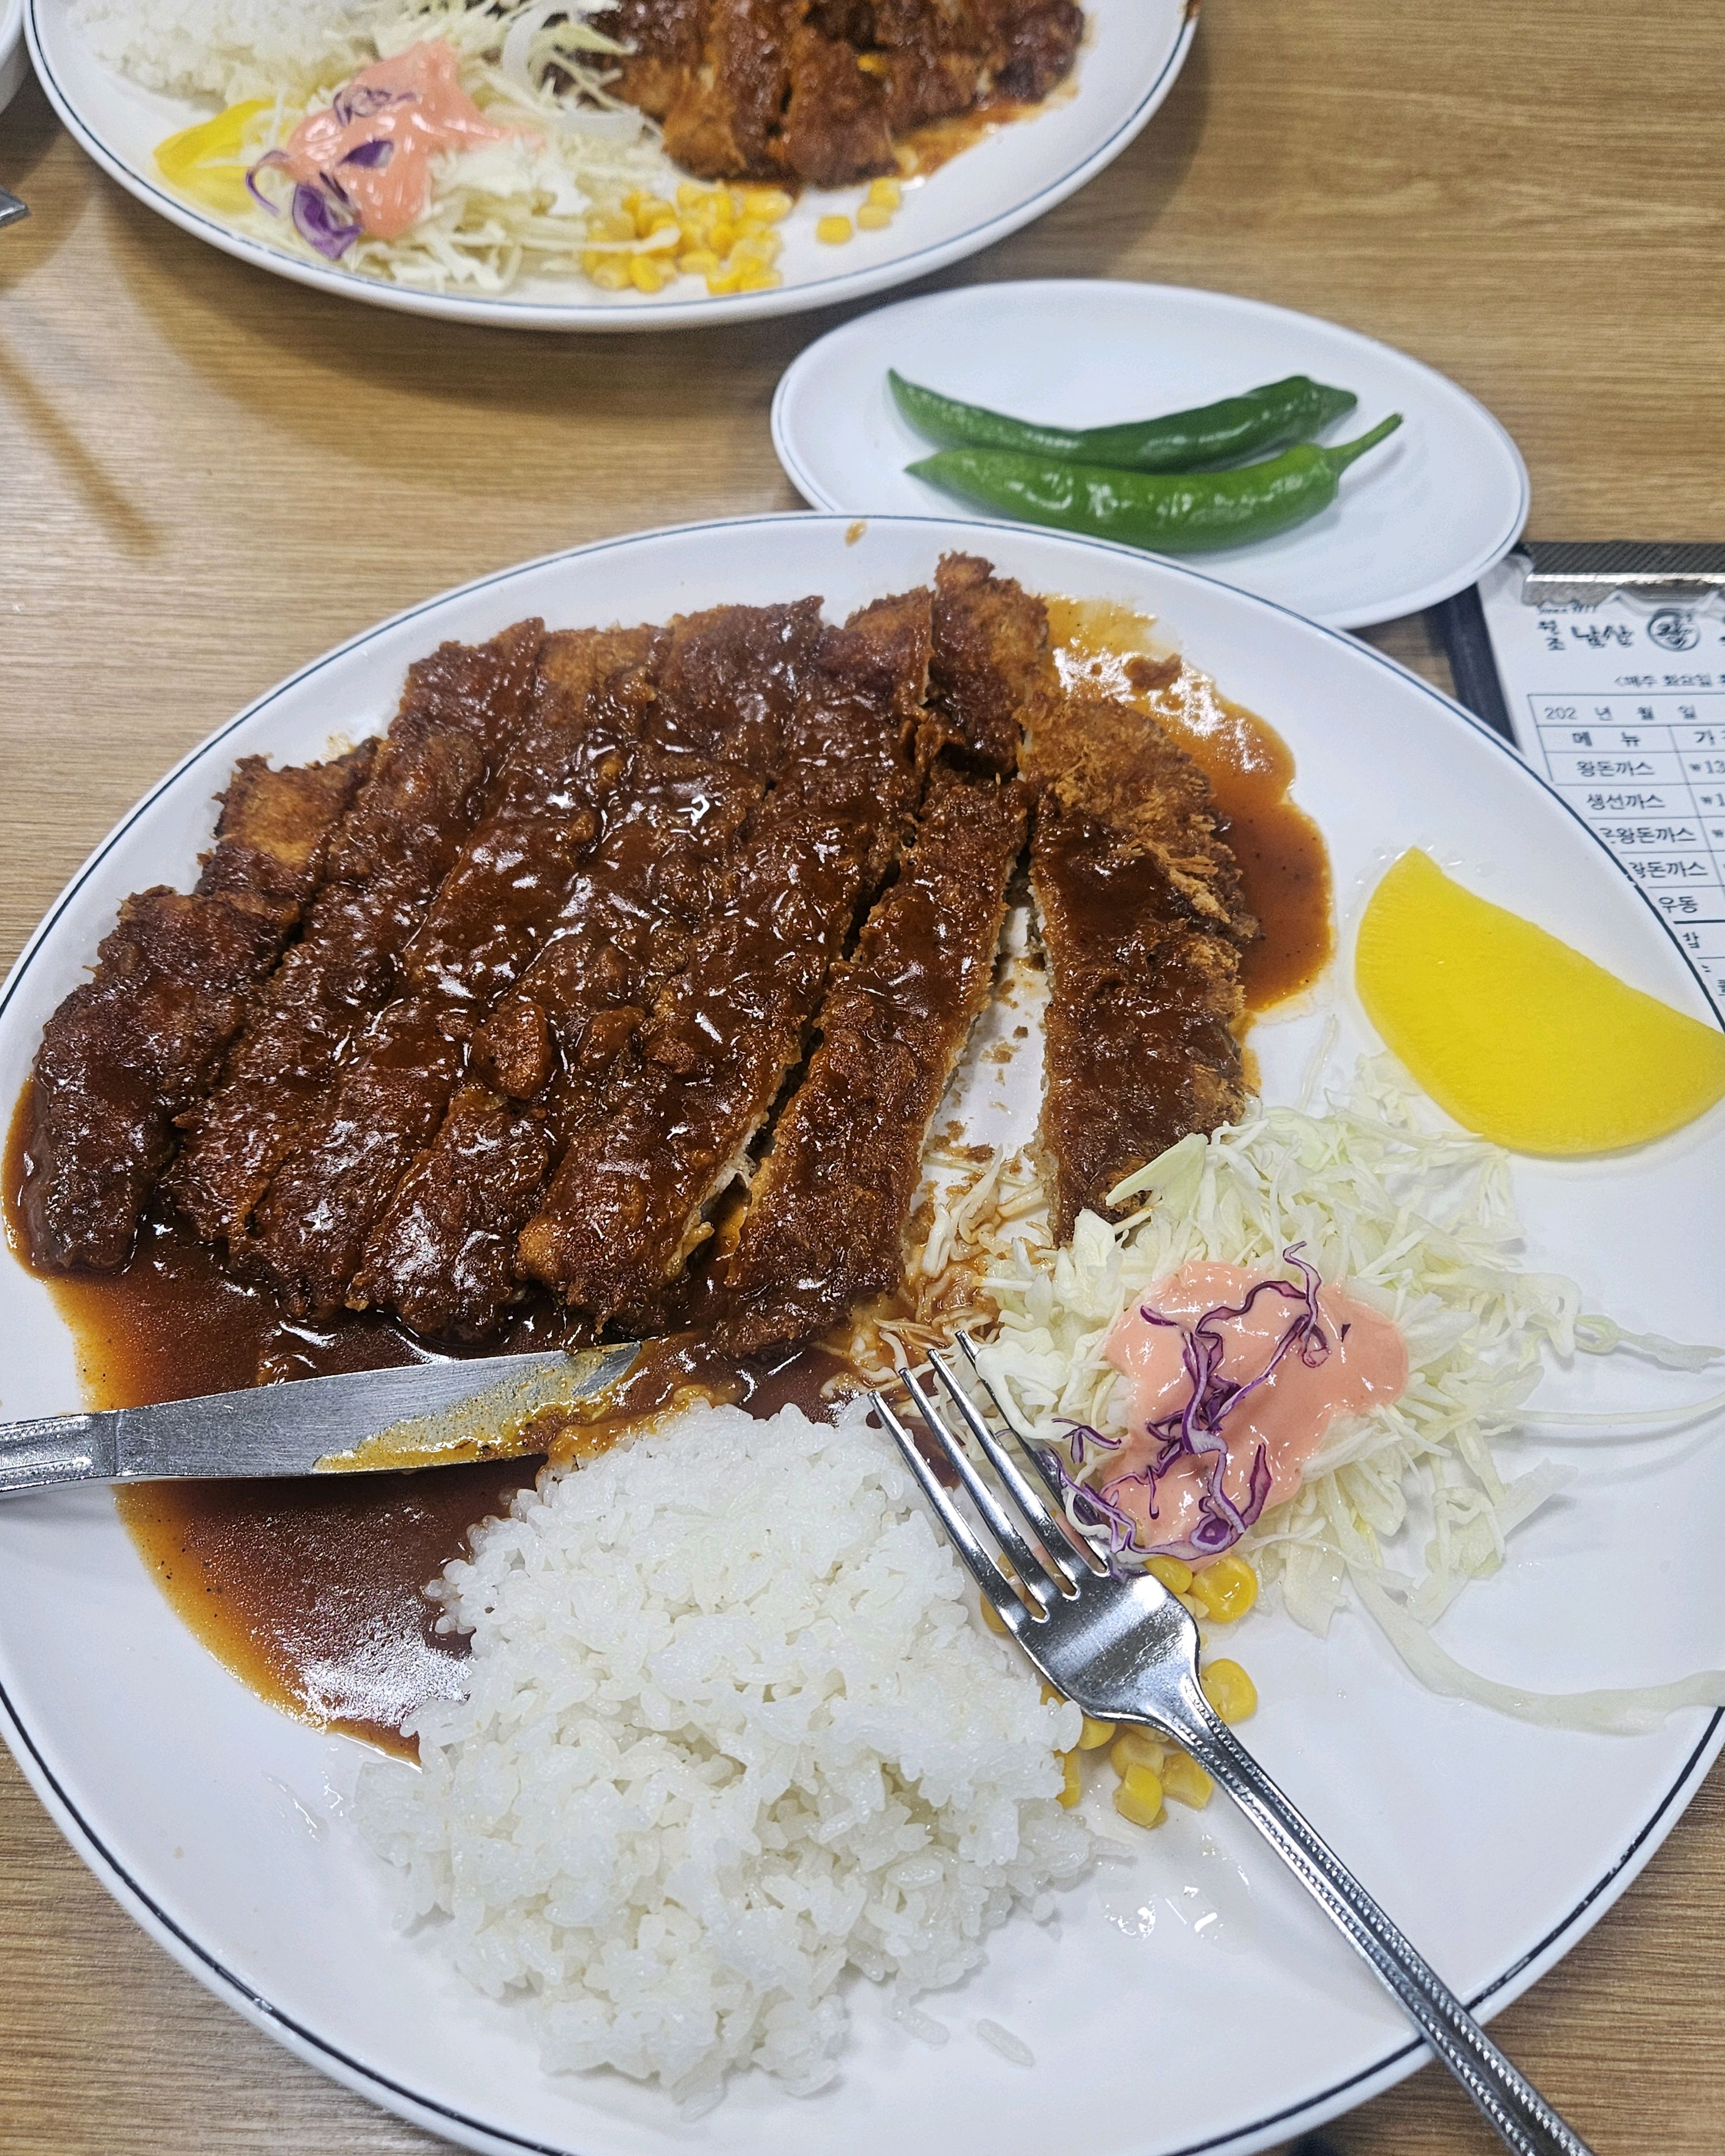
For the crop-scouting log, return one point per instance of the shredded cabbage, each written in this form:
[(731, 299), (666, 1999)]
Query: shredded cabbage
[(505, 210), (1422, 1225)]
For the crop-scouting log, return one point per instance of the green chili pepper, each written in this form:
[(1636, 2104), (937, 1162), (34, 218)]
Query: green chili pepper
[(1267, 419), (1168, 512)]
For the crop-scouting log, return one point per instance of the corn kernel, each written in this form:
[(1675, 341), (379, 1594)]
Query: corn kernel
[(991, 1616), (1050, 1697), (1137, 1748), (722, 236), (1095, 1735), (1185, 1781), (1191, 1603), (885, 194), (722, 281), (1229, 1691), (650, 211), (751, 227), (609, 272), (1228, 1588), (769, 204), (756, 277), (1175, 1577), (764, 248), (647, 272), (690, 194), (733, 200), (834, 231), (610, 224), (871, 217), (1139, 1796), (1073, 1787)]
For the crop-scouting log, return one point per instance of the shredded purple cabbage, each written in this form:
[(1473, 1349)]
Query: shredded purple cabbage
[(373, 155), (318, 222), (362, 100), (1194, 1431), (270, 157)]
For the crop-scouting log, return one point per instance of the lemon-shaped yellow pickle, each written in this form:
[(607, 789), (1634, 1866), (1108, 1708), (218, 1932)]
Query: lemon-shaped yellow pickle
[(1518, 1037)]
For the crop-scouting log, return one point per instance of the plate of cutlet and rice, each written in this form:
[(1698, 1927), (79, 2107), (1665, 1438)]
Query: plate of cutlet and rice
[(785, 944), (605, 164)]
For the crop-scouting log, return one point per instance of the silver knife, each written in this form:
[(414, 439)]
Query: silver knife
[(419, 1415)]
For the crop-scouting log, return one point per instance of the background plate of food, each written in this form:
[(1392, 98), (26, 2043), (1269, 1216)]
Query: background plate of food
[(483, 165), (1208, 420), (801, 1816)]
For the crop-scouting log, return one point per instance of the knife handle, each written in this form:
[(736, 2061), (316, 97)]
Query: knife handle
[(65, 1447)]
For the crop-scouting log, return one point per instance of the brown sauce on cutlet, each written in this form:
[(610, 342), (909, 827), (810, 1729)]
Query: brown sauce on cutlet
[(1284, 865), (310, 1589)]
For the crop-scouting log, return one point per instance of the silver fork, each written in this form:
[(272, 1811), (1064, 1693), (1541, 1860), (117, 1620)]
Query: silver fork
[(1126, 1650)]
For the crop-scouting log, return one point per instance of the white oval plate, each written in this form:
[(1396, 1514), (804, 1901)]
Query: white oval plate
[(1423, 516), (1191, 1999), (1131, 54), (14, 61)]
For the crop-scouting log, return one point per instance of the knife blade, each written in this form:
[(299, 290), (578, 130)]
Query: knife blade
[(419, 1415)]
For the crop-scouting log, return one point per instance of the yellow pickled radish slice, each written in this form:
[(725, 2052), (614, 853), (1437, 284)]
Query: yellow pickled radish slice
[(1518, 1037), (210, 161)]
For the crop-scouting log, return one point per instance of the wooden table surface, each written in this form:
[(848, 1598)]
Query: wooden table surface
[(208, 476)]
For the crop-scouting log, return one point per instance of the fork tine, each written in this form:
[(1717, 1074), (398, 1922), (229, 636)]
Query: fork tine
[(984, 1570), (1029, 1501), (1039, 1575)]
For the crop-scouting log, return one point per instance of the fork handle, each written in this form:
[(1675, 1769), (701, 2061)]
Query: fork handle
[(1522, 2117)]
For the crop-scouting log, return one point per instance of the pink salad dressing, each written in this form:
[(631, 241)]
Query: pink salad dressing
[(414, 107), (1364, 1364)]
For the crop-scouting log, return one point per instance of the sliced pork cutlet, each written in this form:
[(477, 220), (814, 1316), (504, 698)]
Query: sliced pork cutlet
[(928, 55), (504, 892), (825, 1224), (629, 1203), (666, 38), (1029, 45), (836, 127), (1143, 925), (138, 1043), (991, 660), (712, 737), (723, 122), (459, 712)]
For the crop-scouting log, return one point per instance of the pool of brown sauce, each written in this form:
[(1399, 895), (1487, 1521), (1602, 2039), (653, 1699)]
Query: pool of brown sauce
[(311, 1589)]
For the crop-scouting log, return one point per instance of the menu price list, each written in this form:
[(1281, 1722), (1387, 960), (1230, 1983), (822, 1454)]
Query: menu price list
[(1647, 773)]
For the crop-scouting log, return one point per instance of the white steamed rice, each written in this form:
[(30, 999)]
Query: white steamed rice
[(730, 1731), (218, 51)]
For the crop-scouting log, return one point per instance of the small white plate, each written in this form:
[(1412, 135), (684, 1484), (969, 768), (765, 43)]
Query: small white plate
[(14, 60), (1423, 516), (1133, 52), (1192, 2000)]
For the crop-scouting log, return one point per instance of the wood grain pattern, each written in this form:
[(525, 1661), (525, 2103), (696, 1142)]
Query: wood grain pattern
[(208, 476)]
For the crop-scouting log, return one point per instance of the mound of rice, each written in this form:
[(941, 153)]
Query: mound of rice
[(216, 51), (730, 1731)]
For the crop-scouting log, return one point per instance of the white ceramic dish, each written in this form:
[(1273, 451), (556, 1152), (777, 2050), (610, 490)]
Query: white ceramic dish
[(1192, 2000), (14, 60), (1423, 516), (1134, 50)]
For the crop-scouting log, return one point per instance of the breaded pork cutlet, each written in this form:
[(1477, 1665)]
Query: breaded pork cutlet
[(827, 1212), (710, 738), (138, 1043), (1143, 925), (629, 1203), (991, 660), (503, 893), (387, 857)]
